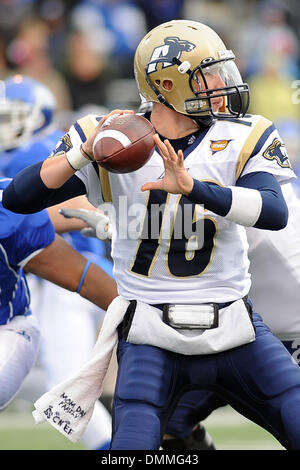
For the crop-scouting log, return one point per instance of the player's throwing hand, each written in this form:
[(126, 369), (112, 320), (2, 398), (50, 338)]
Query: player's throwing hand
[(176, 179)]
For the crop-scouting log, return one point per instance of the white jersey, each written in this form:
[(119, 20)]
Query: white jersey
[(275, 269), (209, 263)]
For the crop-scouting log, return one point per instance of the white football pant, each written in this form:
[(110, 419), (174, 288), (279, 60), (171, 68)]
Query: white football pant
[(68, 325), (19, 342)]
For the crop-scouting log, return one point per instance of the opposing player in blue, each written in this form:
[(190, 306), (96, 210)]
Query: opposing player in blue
[(28, 132), (187, 320), (28, 244), (27, 128)]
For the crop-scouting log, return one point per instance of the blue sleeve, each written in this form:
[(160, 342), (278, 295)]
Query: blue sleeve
[(218, 199), (33, 232), (215, 198), (27, 193), (274, 212)]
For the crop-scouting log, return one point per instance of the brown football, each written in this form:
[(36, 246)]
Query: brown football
[(124, 143)]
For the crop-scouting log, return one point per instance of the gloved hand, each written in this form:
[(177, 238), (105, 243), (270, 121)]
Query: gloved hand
[(98, 224)]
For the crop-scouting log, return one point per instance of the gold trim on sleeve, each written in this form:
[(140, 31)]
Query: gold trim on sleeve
[(88, 127), (105, 184), (250, 143)]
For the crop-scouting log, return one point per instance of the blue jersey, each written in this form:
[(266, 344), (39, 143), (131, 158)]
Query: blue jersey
[(37, 149), (21, 237)]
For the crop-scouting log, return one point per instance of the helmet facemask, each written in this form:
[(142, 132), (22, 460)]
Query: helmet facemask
[(232, 92), (18, 121), (26, 109)]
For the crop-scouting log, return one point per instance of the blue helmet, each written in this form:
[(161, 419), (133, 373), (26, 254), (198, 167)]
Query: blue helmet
[(27, 107)]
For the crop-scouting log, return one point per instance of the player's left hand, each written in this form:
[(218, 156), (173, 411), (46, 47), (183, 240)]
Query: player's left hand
[(98, 223), (176, 179)]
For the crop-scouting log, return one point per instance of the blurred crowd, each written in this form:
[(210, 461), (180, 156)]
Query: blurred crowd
[(83, 50)]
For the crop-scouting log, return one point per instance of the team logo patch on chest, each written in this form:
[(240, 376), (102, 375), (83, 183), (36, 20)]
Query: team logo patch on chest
[(276, 151), (219, 145)]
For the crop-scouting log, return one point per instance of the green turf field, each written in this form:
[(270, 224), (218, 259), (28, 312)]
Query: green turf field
[(229, 430)]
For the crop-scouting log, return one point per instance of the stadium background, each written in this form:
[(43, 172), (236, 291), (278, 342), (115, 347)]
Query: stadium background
[(83, 51)]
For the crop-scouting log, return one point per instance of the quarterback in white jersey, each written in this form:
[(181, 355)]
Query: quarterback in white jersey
[(183, 280), (227, 151), (275, 279)]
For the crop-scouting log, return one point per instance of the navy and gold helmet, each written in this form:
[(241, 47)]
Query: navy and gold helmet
[(186, 66)]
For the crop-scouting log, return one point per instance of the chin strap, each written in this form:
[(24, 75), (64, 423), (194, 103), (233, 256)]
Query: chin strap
[(159, 96), (205, 121)]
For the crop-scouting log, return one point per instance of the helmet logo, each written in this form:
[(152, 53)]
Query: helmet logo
[(172, 47)]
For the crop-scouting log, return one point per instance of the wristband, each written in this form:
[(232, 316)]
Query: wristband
[(86, 267), (246, 206), (76, 158), (85, 154)]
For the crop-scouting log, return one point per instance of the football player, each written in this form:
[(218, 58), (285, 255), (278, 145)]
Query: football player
[(28, 244), (28, 132), (274, 266), (188, 323)]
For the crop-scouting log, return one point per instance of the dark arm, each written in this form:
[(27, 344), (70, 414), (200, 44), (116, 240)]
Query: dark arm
[(27, 193), (61, 264), (273, 213)]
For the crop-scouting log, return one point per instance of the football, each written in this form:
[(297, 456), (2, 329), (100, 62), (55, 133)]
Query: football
[(124, 143)]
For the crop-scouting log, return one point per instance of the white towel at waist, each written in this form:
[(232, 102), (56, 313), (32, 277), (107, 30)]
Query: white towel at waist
[(68, 406)]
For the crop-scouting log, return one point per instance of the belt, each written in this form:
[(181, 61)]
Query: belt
[(221, 305), (213, 320)]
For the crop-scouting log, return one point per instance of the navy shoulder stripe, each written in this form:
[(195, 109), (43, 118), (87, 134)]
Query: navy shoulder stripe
[(236, 120), (80, 132)]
